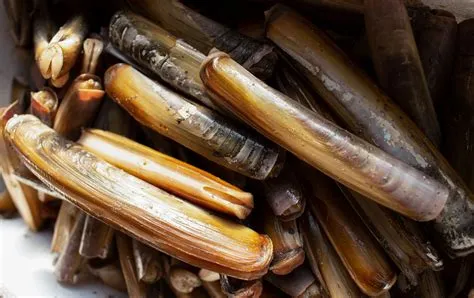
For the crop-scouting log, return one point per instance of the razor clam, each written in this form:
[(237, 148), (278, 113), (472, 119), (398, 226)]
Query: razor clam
[(168, 173), (92, 49), (78, 106), (70, 261), (365, 261), (135, 287), (171, 59), (44, 105), (148, 262), (24, 197), (397, 63), (96, 239), (110, 274), (57, 59), (62, 228), (288, 251), (204, 34), (296, 283), (431, 286), (400, 237), (111, 117), (436, 35), (234, 288), (366, 111), (183, 280), (192, 125), (324, 261), (173, 226), (312, 138), (211, 282), (457, 114), (284, 195)]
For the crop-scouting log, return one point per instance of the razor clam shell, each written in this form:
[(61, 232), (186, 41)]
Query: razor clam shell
[(62, 227), (168, 173), (148, 262), (293, 284), (435, 36), (171, 59), (367, 112), (400, 237), (24, 197), (322, 144), (324, 261), (135, 287), (96, 239), (193, 125), (92, 48), (240, 289), (204, 34), (363, 258), (64, 48), (68, 265), (398, 65), (288, 251), (128, 204), (79, 105), (44, 105), (457, 114), (284, 195)]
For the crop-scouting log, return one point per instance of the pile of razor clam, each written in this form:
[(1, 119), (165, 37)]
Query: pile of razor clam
[(247, 148)]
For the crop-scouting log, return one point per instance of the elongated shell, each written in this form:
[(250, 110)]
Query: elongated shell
[(402, 239), (173, 60), (92, 48), (284, 195), (61, 54), (367, 112), (240, 289), (397, 63), (363, 258), (24, 197), (288, 251), (44, 105), (203, 33), (135, 287), (457, 112), (168, 173), (147, 262), (69, 262), (96, 239), (128, 204), (192, 125), (324, 261), (322, 144), (79, 105), (63, 226), (295, 283), (435, 36), (110, 274), (211, 282)]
